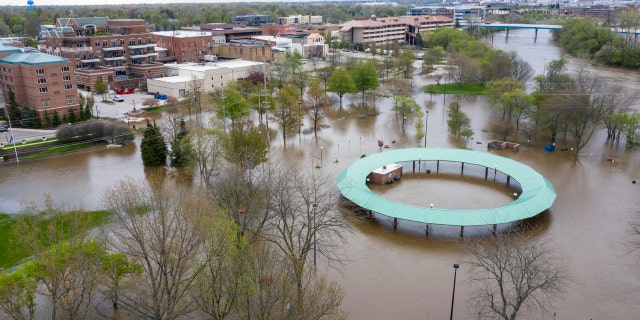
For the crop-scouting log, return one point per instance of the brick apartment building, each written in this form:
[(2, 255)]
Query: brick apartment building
[(185, 46), (119, 52), (39, 80)]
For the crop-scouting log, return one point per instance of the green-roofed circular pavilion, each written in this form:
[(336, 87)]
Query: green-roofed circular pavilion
[(537, 193)]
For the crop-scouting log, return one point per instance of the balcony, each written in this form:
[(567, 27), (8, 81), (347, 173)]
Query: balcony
[(142, 46), (112, 48), (114, 58), (90, 60)]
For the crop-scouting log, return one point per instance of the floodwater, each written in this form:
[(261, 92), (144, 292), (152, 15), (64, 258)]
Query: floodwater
[(403, 274)]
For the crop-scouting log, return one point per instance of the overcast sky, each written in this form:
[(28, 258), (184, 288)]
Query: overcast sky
[(117, 2)]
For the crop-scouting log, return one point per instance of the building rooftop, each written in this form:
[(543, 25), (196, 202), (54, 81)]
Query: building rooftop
[(174, 79), (182, 33), (32, 58), (98, 21), (6, 48)]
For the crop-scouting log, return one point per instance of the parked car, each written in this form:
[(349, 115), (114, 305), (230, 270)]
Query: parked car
[(118, 98)]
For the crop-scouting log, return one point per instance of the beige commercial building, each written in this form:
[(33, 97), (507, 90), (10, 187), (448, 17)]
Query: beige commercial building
[(181, 78), (388, 30)]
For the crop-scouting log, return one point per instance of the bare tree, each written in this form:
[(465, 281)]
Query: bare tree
[(514, 273), (207, 149), (304, 222), (226, 267), (317, 99), (156, 226)]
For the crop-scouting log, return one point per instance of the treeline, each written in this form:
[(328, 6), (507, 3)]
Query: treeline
[(16, 21), (616, 46)]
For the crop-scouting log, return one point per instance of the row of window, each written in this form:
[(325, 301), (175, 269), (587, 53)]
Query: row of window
[(114, 43), (47, 103), (46, 89), (44, 80), (41, 71)]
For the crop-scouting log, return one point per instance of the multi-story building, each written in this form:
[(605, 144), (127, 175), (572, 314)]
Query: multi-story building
[(237, 33), (185, 46), (299, 19), (252, 19), (387, 30), (118, 52), (41, 81), (278, 29)]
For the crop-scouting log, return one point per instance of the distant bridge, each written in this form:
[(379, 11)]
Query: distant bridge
[(509, 26)]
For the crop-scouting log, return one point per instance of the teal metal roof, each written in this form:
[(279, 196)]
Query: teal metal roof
[(537, 192), (7, 48), (32, 58)]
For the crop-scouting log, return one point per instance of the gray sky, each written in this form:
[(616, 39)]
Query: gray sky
[(115, 2)]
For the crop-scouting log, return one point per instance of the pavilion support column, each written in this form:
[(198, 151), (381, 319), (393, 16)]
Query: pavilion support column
[(495, 230), (395, 223), (426, 230), (438, 166), (508, 179), (507, 33), (462, 168), (535, 37), (414, 167), (486, 172), (461, 231), (370, 215)]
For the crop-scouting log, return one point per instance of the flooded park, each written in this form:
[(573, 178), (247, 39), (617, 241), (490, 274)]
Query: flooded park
[(404, 274)]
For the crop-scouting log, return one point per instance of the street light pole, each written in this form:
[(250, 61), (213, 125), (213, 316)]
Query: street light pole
[(426, 124), (453, 295)]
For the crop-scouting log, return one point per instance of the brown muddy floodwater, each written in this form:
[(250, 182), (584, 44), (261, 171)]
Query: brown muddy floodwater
[(403, 274)]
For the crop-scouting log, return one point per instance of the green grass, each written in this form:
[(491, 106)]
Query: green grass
[(13, 252), (469, 89), (153, 109), (30, 144), (60, 149)]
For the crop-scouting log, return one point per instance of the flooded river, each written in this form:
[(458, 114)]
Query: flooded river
[(402, 274)]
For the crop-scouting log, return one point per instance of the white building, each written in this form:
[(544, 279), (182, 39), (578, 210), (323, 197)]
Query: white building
[(181, 78)]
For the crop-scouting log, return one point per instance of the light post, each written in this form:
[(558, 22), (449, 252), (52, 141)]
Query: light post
[(299, 102), (453, 295), (495, 169), (419, 163), (426, 124), (321, 156), (315, 205)]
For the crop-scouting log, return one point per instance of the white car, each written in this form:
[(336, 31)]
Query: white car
[(118, 98)]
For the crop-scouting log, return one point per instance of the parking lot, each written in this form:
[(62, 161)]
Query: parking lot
[(117, 109)]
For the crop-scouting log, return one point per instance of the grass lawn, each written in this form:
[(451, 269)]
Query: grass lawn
[(469, 89), (12, 253), (60, 149), (153, 109)]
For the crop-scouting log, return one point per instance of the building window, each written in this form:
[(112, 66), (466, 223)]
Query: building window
[(43, 90), (68, 86), (42, 80), (46, 103), (70, 99), (104, 43), (39, 71), (66, 78), (96, 44), (65, 69), (121, 42), (132, 42)]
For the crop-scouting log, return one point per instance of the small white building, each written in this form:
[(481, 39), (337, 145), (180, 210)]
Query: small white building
[(181, 78)]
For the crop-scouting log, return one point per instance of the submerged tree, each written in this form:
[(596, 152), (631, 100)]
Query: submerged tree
[(153, 147), (514, 273)]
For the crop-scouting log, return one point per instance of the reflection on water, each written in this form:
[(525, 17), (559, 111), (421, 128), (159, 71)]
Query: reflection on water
[(403, 274)]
